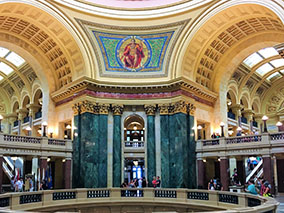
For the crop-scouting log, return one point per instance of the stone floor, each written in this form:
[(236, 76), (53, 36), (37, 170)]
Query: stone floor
[(280, 199)]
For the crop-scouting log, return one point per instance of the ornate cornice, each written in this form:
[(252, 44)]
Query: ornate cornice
[(150, 109), (179, 87), (117, 109)]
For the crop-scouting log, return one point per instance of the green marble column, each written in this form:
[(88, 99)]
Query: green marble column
[(117, 111), (165, 145), (151, 143), (90, 146), (102, 150), (76, 152), (191, 152)]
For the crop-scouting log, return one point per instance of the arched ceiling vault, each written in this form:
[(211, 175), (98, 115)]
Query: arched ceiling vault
[(204, 60), (46, 34)]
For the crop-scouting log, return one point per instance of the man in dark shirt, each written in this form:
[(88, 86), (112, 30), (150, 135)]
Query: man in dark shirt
[(158, 182)]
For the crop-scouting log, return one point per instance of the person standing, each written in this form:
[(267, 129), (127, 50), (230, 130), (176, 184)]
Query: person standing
[(154, 182), (158, 182)]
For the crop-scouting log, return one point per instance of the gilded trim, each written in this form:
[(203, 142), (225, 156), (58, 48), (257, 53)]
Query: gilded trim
[(150, 109), (117, 109)]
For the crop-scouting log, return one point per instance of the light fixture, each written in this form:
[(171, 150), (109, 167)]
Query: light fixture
[(44, 123), (39, 131), (239, 128), (48, 159), (63, 160), (135, 127), (204, 160), (75, 134), (68, 126), (135, 162), (65, 136), (219, 159), (199, 127), (74, 127), (1, 117), (229, 103), (230, 132), (14, 158), (222, 124), (29, 128), (125, 128), (50, 132), (279, 125), (264, 118)]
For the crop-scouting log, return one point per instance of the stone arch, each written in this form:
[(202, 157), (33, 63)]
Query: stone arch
[(245, 99), (256, 104), (15, 106), (226, 29), (233, 91), (49, 36)]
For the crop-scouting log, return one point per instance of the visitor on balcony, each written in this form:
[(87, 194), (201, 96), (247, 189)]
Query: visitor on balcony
[(213, 135), (266, 189), (218, 186), (251, 188), (154, 182), (211, 185), (158, 181)]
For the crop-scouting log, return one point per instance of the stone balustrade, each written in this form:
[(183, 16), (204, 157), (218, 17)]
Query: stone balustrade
[(26, 145), (61, 200), (242, 145), (134, 144)]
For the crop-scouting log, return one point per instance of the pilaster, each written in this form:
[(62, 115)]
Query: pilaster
[(117, 112)]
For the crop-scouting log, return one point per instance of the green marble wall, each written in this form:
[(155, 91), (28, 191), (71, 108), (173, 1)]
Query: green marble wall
[(90, 151), (151, 148), (116, 151), (177, 151)]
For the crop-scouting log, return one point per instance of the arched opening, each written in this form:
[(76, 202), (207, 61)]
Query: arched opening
[(134, 152), (38, 101), (26, 102)]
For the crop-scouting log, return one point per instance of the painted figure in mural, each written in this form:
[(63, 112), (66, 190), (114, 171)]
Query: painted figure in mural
[(133, 54)]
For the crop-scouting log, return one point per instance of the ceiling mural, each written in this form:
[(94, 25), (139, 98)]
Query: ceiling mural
[(133, 52)]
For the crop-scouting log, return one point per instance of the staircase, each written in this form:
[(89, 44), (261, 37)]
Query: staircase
[(8, 166), (257, 171)]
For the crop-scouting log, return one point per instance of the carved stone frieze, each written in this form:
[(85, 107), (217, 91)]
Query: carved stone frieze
[(117, 109), (150, 109)]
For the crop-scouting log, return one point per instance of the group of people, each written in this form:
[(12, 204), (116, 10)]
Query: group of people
[(215, 184), (259, 187), (18, 184), (141, 183)]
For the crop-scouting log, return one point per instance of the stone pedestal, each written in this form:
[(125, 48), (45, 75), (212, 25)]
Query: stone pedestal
[(224, 173)]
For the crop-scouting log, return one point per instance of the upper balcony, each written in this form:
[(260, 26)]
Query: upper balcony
[(26, 145), (242, 145), (134, 146)]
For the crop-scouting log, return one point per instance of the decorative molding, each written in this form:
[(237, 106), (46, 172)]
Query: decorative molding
[(179, 107), (150, 109), (191, 109), (179, 87), (117, 109)]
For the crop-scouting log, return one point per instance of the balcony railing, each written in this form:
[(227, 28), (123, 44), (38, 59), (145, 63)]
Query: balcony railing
[(240, 144), (134, 144), (186, 198), (34, 143)]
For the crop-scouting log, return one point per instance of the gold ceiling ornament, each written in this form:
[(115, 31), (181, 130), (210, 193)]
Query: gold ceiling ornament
[(117, 109), (164, 109), (150, 109)]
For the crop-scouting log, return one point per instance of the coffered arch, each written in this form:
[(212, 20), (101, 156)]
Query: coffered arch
[(209, 57), (47, 35)]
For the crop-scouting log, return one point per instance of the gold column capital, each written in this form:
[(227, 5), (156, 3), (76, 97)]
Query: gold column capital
[(191, 109), (180, 106), (117, 109), (104, 108), (150, 109), (164, 109)]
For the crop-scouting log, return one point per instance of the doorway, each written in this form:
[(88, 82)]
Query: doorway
[(133, 169)]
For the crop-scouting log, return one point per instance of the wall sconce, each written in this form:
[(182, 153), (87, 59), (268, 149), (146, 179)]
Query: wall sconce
[(199, 128), (264, 118), (279, 125)]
